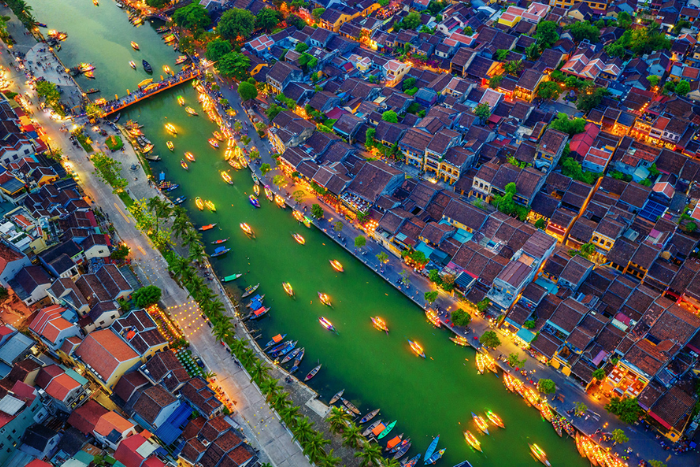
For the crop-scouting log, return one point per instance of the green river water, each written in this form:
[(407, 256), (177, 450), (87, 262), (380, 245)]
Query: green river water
[(427, 397)]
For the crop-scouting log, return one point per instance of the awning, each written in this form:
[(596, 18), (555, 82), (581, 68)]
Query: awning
[(525, 335)]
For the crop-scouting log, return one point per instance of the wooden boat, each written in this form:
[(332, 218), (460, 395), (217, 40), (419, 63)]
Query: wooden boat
[(277, 347), (387, 430), (256, 190), (234, 164), (297, 361), (290, 356), (134, 45), (325, 299), (218, 136), (460, 340), (256, 302), (96, 2), (350, 406), (220, 241), (247, 229), (148, 148), (336, 265), (369, 416), (254, 201), (433, 318), (412, 463), (300, 240), (179, 200), (213, 143), (166, 68), (210, 205), (255, 178), (189, 156), (531, 396), (326, 324), (147, 66), (116, 119), (472, 441), (431, 448), (284, 350), (394, 442), (191, 111), (371, 427), (92, 91), (180, 59), (480, 363), (170, 128), (336, 397), (463, 464), (490, 363), (249, 290), (546, 413), (401, 449), (180, 100), (259, 313), (480, 423), (288, 288), (204, 228), (579, 445), (199, 203), (183, 164), (280, 201), (154, 158), (435, 457), (508, 382), (380, 324), (495, 419), (232, 277), (312, 373), (90, 74), (222, 250), (416, 348), (539, 454), (132, 64), (269, 194), (170, 145)]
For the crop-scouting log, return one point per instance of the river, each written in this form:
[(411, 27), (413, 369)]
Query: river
[(427, 397)]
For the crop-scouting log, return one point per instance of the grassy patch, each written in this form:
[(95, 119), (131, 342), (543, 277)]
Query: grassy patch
[(114, 142), (9, 94), (124, 196), (84, 141)]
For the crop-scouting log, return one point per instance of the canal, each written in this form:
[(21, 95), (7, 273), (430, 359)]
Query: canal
[(427, 397)]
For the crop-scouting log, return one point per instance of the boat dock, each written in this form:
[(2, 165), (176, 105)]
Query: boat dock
[(117, 105)]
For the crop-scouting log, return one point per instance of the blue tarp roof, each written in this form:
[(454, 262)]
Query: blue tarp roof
[(169, 431), (525, 335), (652, 210)]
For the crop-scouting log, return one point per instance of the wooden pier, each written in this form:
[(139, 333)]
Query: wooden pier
[(124, 102)]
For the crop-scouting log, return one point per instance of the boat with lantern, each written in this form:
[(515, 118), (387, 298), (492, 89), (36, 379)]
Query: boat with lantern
[(222, 250), (170, 128), (531, 396), (480, 363), (288, 288), (232, 277), (254, 201), (218, 136), (181, 59), (280, 201), (433, 318), (249, 290), (490, 363), (180, 100), (546, 412), (539, 454), (227, 177), (416, 348), (350, 406), (199, 202), (472, 441), (508, 382), (326, 324), (170, 145), (369, 416), (191, 111), (147, 148), (312, 373), (132, 64), (460, 340), (210, 205), (269, 194), (135, 46), (213, 143), (325, 299), (166, 68), (495, 419), (336, 265), (255, 178), (90, 74), (256, 190), (436, 457), (480, 423), (300, 240), (380, 324), (190, 157), (247, 229), (183, 164), (336, 397)]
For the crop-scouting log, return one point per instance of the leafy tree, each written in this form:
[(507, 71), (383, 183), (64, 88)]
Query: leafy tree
[(461, 317), (265, 168), (193, 17), (49, 92), (338, 226), (298, 195), (273, 111), (301, 47), (680, 25), (186, 44), (382, 257), (513, 67), (619, 436), (369, 137), (120, 252), (317, 211), (546, 386), (587, 102), (580, 408), (390, 116), (156, 3), (267, 19), (430, 297), (540, 224), (410, 21), (548, 90), (490, 339), (295, 21), (627, 409), (109, 171), (581, 30), (408, 83), (235, 23), (234, 65), (682, 88), (317, 12), (586, 250), (669, 87), (360, 241), (616, 49), (146, 296), (653, 80), (599, 374), (529, 324), (495, 81), (501, 55), (483, 305), (280, 181), (247, 91), (483, 111), (217, 49), (568, 125), (546, 34), (338, 420), (655, 463), (514, 360)]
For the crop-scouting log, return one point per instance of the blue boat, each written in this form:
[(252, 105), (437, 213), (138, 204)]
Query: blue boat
[(278, 347), (435, 457), (431, 448), (463, 464), (222, 250), (179, 200), (413, 461), (257, 298), (254, 201), (285, 350), (172, 187), (256, 305), (259, 313), (297, 361), (275, 340)]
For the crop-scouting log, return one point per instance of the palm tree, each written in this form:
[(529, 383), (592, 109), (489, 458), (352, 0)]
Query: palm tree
[(259, 371), (178, 266), (314, 447), (352, 435), (271, 388), (197, 252), (222, 329), (247, 357), (338, 419), (236, 346), (329, 460), (190, 237), (160, 208), (370, 455), (217, 308), (304, 430), (289, 415), (181, 223), (195, 286), (391, 463), (205, 295)]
